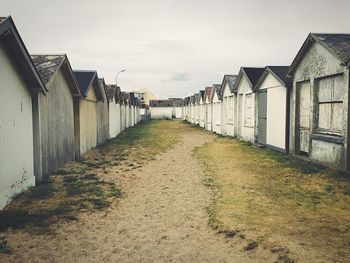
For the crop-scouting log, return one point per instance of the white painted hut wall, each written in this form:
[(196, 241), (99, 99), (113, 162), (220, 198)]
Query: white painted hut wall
[(228, 112), (88, 122), (216, 118), (196, 114), (192, 113), (132, 115), (246, 130), (123, 117), (127, 116), (113, 119), (202, 114), (276, 111), (16, 133), (161, 112), (209, 110), (178, 112), (118, 119)]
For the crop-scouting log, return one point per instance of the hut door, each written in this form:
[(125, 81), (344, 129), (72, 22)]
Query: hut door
[(304, 117), (262, 116)]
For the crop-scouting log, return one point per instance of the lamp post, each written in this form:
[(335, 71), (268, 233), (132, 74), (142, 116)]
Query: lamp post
[(116, 77)]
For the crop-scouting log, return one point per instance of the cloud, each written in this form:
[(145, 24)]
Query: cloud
[(177, 77)]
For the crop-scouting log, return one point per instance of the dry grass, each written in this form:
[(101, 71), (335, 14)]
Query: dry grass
[(278, 201), (86, 185)]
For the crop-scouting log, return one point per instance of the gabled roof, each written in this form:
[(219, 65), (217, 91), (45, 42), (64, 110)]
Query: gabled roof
[(192, 99), (197, 97), (252, 75), (336, 44), (279, 72), (230, 80), (118, 95), (124, 97), (201, 93), (48, 66), (161, 103), (110, 92), (87, 79), (10, 38), (216, 89), (132, 98), (207, 93)]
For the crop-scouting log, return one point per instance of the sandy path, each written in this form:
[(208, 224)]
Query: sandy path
[(161, 218)]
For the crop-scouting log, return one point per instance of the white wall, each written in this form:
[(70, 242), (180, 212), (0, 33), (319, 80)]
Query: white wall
[(276, 111), (16, 133), (216, 117), (228, 112), (245, 129), (209, 109), (202, 114), (161, 112), (114, 119), (178, 112)]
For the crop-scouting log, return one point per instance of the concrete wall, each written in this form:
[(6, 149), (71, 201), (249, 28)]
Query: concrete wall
[(245, 119), (16, 132), (161, 112), (57, 126), (88, 122), (329, 150), (276, 111)]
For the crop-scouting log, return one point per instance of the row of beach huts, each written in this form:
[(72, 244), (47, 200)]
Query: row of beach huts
[(301, 109), (51, 114)]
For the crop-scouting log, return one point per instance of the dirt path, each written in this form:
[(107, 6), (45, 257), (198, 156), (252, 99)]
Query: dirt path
[(161, 218)]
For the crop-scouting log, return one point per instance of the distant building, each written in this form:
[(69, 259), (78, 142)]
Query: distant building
[(145, 96)]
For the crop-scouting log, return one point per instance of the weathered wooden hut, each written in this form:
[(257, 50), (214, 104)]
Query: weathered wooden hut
[(201, 109), (86, 110), (20, 84), (196, 108), (208, 94), (216, 101), (56, 114), (228, 105), (244, 85), (192, 109), (272, 108), (319, 129)]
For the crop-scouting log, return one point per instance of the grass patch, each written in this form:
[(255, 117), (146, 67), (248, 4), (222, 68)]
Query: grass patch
[(276, 199)]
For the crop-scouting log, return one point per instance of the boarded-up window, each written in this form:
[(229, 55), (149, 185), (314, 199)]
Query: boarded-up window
[(330, 105), (248, 117)]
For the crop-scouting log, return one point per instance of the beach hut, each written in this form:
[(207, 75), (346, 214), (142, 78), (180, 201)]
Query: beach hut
[(272, 108), (216, 101), (244, 85), (56, 114), (228, 104), (192, 111), (196, 108), (86, 110), (102, 115), (20, 84), (113, 111), (123, 111), (201, 109), (208, 94), (319, 128)]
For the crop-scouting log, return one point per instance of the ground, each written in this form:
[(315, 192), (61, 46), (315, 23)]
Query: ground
[(166, 191)]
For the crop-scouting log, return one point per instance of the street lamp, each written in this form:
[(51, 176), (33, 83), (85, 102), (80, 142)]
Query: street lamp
[(116, 77)]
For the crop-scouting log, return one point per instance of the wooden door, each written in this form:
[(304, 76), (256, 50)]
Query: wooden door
[(304, 117), (262, 116)]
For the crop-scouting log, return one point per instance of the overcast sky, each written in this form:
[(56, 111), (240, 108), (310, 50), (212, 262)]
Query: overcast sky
[(173, 47)]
